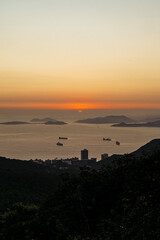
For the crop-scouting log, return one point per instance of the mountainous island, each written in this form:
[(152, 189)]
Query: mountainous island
[(55, 123), (46, 121), (107, 119), (14, 123), (148, 124), (43, 120)]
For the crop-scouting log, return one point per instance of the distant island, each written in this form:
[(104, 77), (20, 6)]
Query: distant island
[(47, 121), (14, 123), (37, 120), (107, 119), (148, 124), (55, 123)]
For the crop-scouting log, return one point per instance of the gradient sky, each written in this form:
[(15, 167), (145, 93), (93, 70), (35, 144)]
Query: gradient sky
[(80, 54)]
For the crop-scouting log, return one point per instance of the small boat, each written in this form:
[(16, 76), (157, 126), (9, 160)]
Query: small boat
[(65, 138), (59, 144), (106, 139), (117, 143)]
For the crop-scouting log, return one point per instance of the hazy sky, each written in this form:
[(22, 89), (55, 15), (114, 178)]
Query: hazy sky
[(80, 53)]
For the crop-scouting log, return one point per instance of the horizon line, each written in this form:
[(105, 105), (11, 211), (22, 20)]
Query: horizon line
[(76, 109)]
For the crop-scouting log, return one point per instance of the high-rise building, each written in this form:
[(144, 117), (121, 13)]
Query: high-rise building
[(84, 154)]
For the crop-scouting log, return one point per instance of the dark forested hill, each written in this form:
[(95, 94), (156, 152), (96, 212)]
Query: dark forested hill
[(118, 202), (148, 149), (25, 181)]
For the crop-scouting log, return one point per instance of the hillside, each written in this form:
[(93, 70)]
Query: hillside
[(114, 203), (148, 149), (29, 182), (25, 181)]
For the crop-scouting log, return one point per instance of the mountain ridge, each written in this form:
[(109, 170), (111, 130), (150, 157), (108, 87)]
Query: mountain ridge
[(147, 149), (107, 119), (148, 124)]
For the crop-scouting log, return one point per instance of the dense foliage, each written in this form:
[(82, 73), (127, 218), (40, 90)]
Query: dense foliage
[(118, 202), (25, 181)]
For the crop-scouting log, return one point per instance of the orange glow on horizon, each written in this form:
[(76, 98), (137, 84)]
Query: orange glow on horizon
[(99, 55), (77, 106)]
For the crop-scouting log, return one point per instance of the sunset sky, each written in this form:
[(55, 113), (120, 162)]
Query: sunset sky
[(80, 54)]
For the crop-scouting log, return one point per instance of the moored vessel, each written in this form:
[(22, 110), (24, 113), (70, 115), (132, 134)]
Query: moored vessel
[(106, 139), (59, 144)]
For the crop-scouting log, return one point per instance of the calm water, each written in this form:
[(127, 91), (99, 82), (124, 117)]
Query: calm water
[(39, 141)]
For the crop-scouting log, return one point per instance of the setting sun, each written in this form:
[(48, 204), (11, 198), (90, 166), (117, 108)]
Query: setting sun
[(92, 58)]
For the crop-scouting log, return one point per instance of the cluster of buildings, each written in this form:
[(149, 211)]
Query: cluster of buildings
[(84, 161)]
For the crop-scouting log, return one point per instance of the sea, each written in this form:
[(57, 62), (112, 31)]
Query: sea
[(38, 141)]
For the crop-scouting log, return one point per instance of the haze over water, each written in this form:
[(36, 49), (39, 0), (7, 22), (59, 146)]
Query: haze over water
[(39, 140)]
